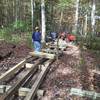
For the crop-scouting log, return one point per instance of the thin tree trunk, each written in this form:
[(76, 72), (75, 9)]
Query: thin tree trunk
[(76, 16), (32, 12), (85, 25), (60, 21), (93, 16), (16, 12), (43, 20)]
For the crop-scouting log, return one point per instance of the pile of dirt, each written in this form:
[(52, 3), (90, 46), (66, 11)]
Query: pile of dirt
[(6, 49), (11, 54)]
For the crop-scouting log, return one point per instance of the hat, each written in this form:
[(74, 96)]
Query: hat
[(36, 28)]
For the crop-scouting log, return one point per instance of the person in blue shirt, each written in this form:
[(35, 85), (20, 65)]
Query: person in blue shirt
[(36, 39), (53, 36)]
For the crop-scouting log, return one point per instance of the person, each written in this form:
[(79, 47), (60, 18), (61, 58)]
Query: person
[(53, 36), (71, 37), (36, 39)]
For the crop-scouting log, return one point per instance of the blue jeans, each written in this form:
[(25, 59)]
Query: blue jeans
[(37, 46)]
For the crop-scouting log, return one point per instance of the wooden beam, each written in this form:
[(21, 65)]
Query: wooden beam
[(43, 55), (10, 72), (51, 51), (83, 93), (96, 72), (22, 91), (38, 81)]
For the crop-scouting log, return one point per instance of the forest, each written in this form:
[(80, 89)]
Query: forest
[(75, 72)]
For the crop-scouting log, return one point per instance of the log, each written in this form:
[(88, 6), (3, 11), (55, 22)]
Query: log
[(84, 93), (43, 55)]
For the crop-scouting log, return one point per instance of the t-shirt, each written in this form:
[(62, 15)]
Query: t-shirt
[(36, 36)]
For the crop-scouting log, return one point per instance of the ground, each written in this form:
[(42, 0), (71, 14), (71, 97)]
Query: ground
[(72, 70), (11, 54)]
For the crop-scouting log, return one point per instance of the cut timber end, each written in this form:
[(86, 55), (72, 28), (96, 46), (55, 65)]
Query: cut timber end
[(42, 54), (28, 65)]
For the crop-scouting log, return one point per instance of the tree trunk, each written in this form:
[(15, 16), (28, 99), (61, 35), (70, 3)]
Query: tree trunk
[(85, 25), (93, 16), (76, 17), (43, 20), (32, 12), (60, 21)]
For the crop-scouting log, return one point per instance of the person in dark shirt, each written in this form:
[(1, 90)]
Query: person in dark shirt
[(53, 36), (36, 39)]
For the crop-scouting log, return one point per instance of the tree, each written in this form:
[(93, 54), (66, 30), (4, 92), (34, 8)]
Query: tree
[(43, 20), (93, 16)]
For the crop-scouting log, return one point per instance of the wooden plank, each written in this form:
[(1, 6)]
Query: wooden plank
[(18, 84), (52, 51), (43, 55), (83, 93), (22, 91), (96, 72), (10, 72), (37, 83)]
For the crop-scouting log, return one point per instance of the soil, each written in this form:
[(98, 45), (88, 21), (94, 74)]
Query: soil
[(11, 54), (72, 70)]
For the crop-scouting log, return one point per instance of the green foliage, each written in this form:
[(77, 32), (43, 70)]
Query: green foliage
[(16, 39), (29, 40), (20, 26), (89, 41), (5, 34), (65, 3), (93, 43)]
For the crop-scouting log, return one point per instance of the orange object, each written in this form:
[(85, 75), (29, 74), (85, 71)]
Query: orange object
[(71, 37)]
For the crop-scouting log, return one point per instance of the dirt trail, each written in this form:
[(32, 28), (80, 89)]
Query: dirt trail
[(68, 73)]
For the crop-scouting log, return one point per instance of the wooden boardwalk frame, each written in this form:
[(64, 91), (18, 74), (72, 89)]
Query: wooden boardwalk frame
[(15, 87), (37, 83), (44, 59)]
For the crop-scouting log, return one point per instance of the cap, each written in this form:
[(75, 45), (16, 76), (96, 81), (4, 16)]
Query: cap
[(36, 28)]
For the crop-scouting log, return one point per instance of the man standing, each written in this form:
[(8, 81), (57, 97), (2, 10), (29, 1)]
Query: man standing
[(36, 39)]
